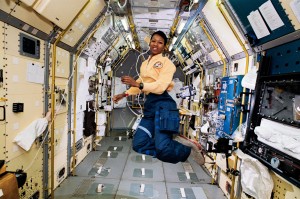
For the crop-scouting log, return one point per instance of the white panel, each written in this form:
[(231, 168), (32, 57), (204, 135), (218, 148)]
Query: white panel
[(103, 29), (286, 4), (101, 120), (159, 3), (241, 66), (83, 85), (80, 100), (145, 31), (161, 14), (57, 14), (94, 49), (221, 28), (119, 88), (147, 23), (215, 56), (79, 125)]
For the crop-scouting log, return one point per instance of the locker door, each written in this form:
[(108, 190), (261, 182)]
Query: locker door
[(2, 128)]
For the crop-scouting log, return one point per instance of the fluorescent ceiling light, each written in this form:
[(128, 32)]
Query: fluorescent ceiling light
[(174, 40), (125, 24), (180, 26), (170, 47)]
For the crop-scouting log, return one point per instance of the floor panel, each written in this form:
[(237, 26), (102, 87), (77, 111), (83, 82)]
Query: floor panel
[(115, 171)]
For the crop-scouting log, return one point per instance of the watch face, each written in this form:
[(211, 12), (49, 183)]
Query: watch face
[(280, 101)]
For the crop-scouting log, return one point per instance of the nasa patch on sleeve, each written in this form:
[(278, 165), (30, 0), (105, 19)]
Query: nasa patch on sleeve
[(158, 65)]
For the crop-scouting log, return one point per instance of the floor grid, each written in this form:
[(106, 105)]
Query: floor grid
[(115, 171)]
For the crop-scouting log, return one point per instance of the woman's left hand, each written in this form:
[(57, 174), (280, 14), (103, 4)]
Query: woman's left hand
[(129, 81)]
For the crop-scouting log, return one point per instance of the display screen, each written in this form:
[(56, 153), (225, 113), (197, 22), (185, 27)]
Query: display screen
[(28, 46)]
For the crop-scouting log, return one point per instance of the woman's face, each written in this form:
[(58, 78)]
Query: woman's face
[(157, 44)]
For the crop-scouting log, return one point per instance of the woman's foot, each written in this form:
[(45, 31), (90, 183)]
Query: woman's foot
[(196, 152)]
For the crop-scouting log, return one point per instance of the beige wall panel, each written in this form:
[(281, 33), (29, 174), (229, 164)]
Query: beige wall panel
[(16, 122), (61, 15), (13, 45), (1, 43), (2, 135), (211, 168), (2, 103), (62, 63), (60, 149), (224, 183), (60, 168), (86, 149), (61, 84), (16, 78), (241, 66), (221, 161), (29, 2), (27, 15), (20, 120), (83, 22), (60, 133), (286, 5), (283, 189), (33, 168)]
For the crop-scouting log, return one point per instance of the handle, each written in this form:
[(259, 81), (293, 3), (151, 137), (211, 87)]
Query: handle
[(3, 113)]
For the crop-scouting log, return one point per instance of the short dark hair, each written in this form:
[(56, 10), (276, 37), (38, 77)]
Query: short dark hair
[(162, 34)]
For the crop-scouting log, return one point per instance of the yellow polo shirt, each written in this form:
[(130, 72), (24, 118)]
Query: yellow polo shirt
[(156, 73)]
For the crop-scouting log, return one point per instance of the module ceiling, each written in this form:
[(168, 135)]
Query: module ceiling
[(153, 15)]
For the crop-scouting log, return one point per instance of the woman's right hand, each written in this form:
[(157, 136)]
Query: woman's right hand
[(118, 97)]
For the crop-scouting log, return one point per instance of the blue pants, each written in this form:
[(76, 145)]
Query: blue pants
[(149, 140)]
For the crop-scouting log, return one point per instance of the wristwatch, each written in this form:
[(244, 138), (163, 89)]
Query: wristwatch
[(141, 86)]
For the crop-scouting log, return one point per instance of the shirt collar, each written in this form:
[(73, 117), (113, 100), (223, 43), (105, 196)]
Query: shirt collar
[(158, 56)]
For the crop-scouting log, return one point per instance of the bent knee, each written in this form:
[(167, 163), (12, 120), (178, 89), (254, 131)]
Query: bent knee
[(137, 144), (164, 145)]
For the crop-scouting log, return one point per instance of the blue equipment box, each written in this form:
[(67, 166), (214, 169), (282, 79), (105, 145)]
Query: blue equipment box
[(229, 105)]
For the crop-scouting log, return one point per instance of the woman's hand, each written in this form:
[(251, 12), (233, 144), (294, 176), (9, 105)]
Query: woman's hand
[(118, 97), (129, 81)]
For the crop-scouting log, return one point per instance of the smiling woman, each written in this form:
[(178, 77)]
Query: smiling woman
[(157, 42), (154, 135)]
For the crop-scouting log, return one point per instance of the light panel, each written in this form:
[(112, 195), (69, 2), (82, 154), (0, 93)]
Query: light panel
[(160, 14), (153, 24), (157, 3)]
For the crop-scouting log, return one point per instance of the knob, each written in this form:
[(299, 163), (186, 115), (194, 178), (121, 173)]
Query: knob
[(275, 162)]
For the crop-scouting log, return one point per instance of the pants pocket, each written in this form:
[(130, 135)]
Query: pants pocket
[(169, 120)]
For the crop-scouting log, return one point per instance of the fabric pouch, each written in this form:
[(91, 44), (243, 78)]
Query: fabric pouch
[(169, 120)]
